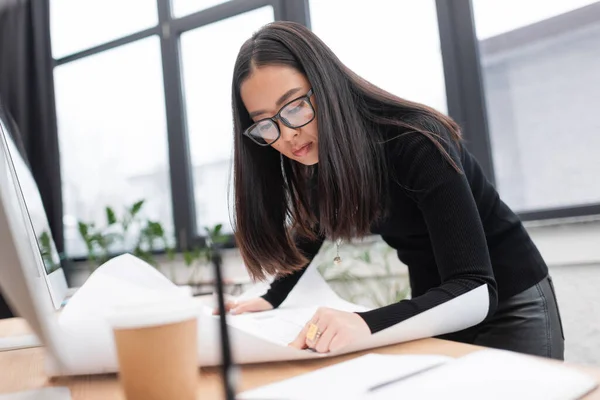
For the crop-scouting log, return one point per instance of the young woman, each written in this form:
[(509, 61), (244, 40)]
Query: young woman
[(322, 153)]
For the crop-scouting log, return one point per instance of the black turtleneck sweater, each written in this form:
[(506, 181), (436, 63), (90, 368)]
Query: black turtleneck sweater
[(451, 229)]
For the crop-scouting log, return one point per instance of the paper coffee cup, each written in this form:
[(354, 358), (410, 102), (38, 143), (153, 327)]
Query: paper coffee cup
[(156, 344)]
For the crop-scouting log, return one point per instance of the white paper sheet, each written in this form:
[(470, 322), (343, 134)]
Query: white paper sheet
[(283, 324), (246, 345), (312, 291), (86, 338), (348, 380), (277, 326), (486, 374), (492, 375), (459, 313), (260, 337)]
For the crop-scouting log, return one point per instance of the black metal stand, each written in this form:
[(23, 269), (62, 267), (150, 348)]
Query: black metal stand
[(228, 369)]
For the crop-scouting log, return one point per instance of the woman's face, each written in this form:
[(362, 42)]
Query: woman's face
[(265, 92)]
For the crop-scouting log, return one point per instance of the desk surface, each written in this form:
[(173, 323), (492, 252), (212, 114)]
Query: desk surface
[(24, 369)]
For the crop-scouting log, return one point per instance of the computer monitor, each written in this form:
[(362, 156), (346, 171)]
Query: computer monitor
[(24, 278), (34, 214)]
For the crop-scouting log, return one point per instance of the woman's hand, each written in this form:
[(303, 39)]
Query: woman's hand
[(252, 305), (335, 329)]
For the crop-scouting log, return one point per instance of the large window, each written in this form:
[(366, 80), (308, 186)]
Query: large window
[(113, 139), (540, 63), (208, 103), (393, 44), (143, 95), (141, 89)]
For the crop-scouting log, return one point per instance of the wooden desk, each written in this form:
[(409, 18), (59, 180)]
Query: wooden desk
[(24, 369)]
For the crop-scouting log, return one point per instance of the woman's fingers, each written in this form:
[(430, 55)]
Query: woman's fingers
[(228, 306), (330, 330), (337, 343), (300, 341), (252, 305), (322, 343), (242, 307)]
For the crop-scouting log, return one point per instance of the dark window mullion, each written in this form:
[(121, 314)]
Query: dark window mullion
[(108, 45), (182, 194), (580, 211), (462, 73), (297, 11)]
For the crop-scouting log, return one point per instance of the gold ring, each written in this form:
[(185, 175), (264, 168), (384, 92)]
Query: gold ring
[(313, 332)]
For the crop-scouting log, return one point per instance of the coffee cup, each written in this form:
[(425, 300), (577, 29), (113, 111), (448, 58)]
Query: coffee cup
[(156, 343)]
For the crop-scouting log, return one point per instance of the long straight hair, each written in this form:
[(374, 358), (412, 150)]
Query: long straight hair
[(274, 205)]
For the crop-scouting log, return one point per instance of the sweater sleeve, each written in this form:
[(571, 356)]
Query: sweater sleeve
[(455, 229), (283, 285)]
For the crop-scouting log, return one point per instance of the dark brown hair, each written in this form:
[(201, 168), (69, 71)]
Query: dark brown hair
[(272, 193)]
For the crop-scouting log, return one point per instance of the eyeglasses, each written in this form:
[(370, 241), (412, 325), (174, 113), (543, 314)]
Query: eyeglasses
[(295, 114)]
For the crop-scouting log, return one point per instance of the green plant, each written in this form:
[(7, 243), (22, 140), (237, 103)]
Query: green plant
[(96, 241), (49, 256), (118, 236), (143, 237), (200, 256), (151, 234)]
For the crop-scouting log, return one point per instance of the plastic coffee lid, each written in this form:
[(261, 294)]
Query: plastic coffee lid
[(155, 312)]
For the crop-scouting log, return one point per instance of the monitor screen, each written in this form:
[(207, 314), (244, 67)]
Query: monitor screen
[(34, 207)]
